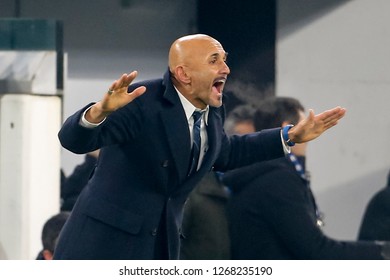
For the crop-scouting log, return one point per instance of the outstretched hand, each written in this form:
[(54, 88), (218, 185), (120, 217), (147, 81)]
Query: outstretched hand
[(314, 125), (115, 98)]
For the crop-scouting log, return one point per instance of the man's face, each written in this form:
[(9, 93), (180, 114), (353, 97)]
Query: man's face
[(208, 71)]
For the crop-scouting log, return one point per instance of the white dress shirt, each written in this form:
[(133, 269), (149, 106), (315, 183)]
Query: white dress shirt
[(189, 110)]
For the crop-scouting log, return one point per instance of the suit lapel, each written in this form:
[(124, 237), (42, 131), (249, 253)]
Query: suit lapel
[(178, 137), (176, 127)]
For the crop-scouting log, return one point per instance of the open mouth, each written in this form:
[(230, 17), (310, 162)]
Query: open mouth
[(219, 84)]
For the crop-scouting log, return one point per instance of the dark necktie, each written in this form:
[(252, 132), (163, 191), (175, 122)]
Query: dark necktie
[(195, 152)]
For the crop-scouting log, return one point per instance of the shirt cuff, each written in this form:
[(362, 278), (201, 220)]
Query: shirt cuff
[(286, 148), (83, 121)]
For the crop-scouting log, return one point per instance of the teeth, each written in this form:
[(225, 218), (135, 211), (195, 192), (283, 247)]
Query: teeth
[(221, 81)]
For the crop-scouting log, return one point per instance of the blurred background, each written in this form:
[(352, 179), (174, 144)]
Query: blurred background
[(325, 53)]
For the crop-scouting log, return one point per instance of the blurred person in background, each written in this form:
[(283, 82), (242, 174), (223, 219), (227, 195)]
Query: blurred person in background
[(50, 232), (72, 185), (272, 212), (375, 224)]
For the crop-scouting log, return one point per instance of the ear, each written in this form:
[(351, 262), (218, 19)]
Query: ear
[(182, 75), (47, 255)]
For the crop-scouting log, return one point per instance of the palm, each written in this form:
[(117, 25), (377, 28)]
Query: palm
[(314, 125)]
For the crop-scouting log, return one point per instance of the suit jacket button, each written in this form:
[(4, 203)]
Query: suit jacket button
[(165, 163), (154, 232)]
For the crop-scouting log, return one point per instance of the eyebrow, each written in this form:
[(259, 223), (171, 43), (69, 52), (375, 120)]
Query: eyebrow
[(214, 55)]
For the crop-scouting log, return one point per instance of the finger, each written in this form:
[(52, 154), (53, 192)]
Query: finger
[(335, 111), (333, 120), (342, 112), (137, 92), (331, 124), (337, 115), (132, 75), (122, 81), (128, 79), (329, 115), (112, 88), (311, 114), (117, 84)]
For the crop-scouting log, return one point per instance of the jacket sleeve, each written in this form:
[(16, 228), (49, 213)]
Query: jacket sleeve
[(242, 150), (119, 127)]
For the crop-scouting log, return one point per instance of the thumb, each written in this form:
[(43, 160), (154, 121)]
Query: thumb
[(311, 115), (137, 92)]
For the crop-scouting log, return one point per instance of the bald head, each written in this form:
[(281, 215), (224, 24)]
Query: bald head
[(185, 48)]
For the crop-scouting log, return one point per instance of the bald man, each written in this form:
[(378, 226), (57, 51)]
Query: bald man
[(132, 205)]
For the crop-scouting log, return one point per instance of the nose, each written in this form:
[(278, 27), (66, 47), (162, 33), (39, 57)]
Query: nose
[(225, 68)]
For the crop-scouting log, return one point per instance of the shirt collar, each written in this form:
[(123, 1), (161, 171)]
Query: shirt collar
[(189, 108)]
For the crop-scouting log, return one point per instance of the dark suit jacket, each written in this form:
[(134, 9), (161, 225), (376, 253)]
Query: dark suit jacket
[(142, 173), (205, 227), (376, 220), (272, 216)]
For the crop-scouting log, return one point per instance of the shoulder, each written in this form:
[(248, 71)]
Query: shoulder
[(218, 112), (381, 199), (279, 179), (154, 88)]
